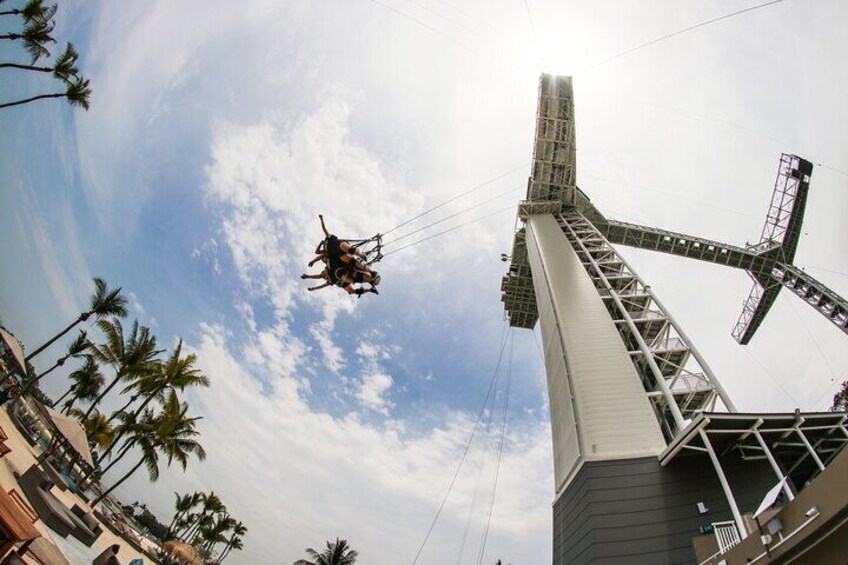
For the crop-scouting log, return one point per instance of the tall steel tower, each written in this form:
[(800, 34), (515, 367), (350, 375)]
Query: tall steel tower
[(626, 384)]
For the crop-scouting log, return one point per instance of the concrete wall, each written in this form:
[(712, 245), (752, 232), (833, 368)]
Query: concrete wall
[(599, 410)]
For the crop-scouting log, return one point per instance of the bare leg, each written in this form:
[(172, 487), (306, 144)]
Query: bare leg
[(319, 257), (318, 276), (345, 246), (325, 285)]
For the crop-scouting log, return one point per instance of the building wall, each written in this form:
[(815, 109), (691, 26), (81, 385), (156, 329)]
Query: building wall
[(635, 512), (599, 410)]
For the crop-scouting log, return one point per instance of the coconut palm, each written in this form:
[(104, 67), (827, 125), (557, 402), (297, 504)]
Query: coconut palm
[(211, 505), (97, 429), (234, 543), (63, 69), (176, 373), (102, 303), (183, 506), (77, 92), (215, 533), (35, 35), (238, 532), (128, 355), (87, 382), (76, 349), (171, 433), (34, 10), (338, 553)]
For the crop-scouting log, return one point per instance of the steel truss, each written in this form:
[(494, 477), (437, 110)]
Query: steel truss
[(764, 262), (678, 382)]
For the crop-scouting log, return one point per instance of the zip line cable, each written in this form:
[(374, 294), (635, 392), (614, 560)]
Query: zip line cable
[(771, 376), (680, 32), (428, 26), (446, 218), (506, 335), (457, 197), (447, 18), (481, 218), (500, 453), (476, 489)]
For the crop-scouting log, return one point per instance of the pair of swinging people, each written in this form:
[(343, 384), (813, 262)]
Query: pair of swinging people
[(344, 266)]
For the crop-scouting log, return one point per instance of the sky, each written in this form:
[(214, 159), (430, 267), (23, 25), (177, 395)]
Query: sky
[(218, 131)]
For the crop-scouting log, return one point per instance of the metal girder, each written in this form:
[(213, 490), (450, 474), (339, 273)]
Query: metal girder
[(677, 380), (816, 294), (762, 261)]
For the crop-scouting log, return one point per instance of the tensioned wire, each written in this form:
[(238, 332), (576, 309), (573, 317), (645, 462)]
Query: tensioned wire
[(482, 552), (477, 484), (457, 197), (506, 333), (441, 233), (446, 218)]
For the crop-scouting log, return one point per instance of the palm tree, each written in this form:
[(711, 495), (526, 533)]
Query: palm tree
[(63, 69), (176, 373), (34, 36), (128, 355), (87, 382), (75, 349), (337, 553), (214, 534), (34, 10), (97, 429), (172, 434), (239, 530), (211, 505), (234, 543), (77, 92), (103, 302), (183, 506)]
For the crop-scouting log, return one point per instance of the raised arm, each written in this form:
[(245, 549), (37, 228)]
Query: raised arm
[(323, 227)]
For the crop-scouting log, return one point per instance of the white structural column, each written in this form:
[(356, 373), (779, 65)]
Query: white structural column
[(809, 447), (599, 409), (734, 508), (771, 460)]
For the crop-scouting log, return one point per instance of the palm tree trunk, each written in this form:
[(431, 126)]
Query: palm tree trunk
[(12, 36), (67, 408), (134, 418), (25, 67), (122, 409), (192, 528), (120, 456), (31, 383), (84, 316), (101, 395), (177, 516), (61, 398), (116, 485), (10, 13)]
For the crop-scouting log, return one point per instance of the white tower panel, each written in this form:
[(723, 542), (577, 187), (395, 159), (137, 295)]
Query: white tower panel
[(599, 409)]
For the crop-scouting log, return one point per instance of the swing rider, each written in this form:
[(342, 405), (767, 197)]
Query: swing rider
[(343, 266)]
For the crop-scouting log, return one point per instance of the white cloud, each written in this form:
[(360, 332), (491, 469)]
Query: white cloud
[(297, 476)]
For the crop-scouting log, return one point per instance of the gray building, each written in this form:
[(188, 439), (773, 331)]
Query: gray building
[(650, 455)]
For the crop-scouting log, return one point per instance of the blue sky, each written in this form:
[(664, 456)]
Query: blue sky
[(218, 132)]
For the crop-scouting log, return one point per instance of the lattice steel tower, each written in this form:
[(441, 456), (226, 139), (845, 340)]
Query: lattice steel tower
[(624, 378)]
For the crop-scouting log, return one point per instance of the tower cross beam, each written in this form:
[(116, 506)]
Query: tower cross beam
[(764, 263)]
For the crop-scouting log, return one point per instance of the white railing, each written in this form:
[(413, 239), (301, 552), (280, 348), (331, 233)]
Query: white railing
[(726, 534)]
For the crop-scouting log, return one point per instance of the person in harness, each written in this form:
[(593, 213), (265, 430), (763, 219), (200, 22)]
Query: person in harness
[(344, 265)]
